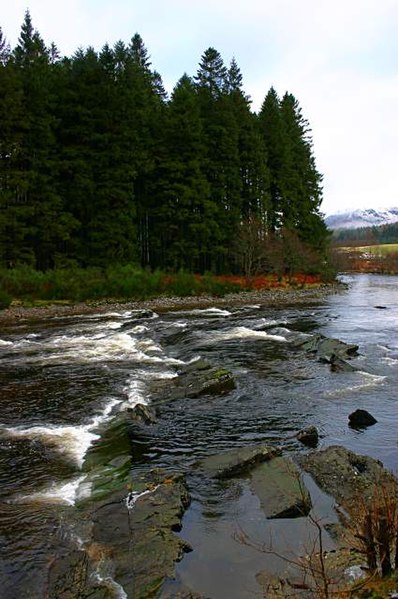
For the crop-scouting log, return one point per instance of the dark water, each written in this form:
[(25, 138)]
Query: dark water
[(63, 380)]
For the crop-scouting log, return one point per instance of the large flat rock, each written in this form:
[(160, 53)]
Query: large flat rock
[(143, 545), (278, 485), (348, 477), (132, 547), (237, 461), (194, 380)]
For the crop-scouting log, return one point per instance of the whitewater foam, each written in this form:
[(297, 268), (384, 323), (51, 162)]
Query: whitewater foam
[(107, 581), (135, 393), (63, 493), (3, 342), (207, 312), (73, 441), (245, 333)]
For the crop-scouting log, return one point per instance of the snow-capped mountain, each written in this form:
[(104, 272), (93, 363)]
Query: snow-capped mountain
[(362, 218)]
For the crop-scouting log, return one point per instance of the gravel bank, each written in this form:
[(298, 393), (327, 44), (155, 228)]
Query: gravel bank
[(271, 297)]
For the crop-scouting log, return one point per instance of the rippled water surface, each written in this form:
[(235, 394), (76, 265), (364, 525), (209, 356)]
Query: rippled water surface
[(63, 381)]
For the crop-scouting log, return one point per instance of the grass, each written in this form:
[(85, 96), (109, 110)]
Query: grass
[(382, 258), (378, 250), (127, 282)]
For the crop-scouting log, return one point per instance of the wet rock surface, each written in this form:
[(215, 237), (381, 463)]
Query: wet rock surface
[(278, 485), (132, 549), (142, 414), (325, 347), (194, 380), (237, 461), (345, 475), (72, 577), (361, 418), (330, 351), (308, 436), (144, 546)]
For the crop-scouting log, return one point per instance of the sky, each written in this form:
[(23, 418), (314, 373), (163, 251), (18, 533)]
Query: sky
[(339, 58)]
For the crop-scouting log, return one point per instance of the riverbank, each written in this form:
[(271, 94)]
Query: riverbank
[(266, 297)]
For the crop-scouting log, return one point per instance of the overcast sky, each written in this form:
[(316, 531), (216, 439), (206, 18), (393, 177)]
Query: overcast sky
[(338, 57)]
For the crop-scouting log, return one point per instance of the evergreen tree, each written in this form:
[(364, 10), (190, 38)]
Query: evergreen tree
[(301, 183), (181, 224), (98, 169), (221, 165), (41, 215), (273, 134), (211, 77), (254, 172), (5, 49)]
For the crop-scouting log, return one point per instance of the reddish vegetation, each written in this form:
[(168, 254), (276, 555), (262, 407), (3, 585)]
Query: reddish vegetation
[(356, 261), (271, 281)]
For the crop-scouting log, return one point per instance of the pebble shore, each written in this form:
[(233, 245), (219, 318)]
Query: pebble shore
[(268, 297)]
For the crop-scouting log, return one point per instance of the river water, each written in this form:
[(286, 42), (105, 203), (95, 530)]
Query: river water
[(62, 381)]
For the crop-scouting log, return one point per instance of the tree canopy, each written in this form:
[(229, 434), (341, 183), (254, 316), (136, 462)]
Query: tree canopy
[(99, 166)]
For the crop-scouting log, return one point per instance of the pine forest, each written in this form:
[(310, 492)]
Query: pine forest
[(99, 166)]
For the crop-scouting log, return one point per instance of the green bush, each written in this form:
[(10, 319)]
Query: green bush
[(5, 299)]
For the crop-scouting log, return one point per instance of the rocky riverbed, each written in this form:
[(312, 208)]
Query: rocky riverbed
[(274, 297)]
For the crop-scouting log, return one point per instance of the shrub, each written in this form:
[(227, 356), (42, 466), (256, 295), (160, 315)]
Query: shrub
[(5, 299)]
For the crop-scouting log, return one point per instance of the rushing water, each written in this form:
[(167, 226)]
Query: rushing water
[(64, 379)]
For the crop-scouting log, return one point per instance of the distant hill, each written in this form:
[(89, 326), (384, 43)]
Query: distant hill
[(380, 234), (362, 218)]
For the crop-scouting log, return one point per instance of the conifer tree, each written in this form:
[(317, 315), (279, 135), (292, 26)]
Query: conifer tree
[(273, 134), (44, 221), (301, 183), (180, 226), (221, 166)]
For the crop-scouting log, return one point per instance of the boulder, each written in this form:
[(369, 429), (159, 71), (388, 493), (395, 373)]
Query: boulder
[(237, 461), (278, 485), (331, 351), (142, 414), (361, 418), (308, 436), (196, 379), (194, 366), (142, 546), (217, 381), (348, 477)]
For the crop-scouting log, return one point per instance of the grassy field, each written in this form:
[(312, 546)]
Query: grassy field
[(381, 258), (378, 250)]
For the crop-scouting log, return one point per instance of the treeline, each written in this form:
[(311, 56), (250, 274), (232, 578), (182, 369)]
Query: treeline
[(367, 235), (98, 166)]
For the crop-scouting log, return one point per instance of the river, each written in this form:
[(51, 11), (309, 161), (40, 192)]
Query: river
[(63, 380)]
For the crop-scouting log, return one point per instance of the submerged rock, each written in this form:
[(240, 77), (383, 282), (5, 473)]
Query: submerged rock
[(279, 487), (196, 379), (325, 347), (331, 351), (361, 418), (339, 365), (237, 461), (308, 436)]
